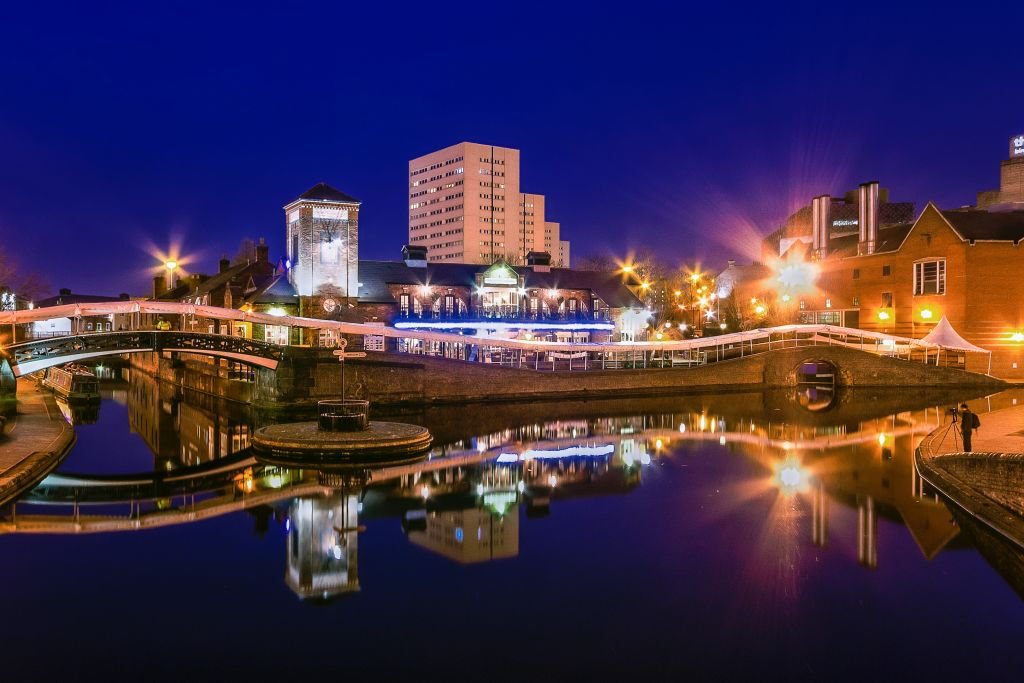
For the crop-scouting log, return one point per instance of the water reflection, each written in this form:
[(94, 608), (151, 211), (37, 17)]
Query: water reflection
[(463, 502)]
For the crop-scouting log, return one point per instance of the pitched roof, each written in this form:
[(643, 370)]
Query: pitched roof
[(973, 224), (375, 276), (274, 291), (324, 192), (62, 299)]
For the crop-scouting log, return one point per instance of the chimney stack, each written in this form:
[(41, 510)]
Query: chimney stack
[(262, 252), (415, 256), (540, 261), (821, 225), (224, 264), (867, 217), (159, 286)]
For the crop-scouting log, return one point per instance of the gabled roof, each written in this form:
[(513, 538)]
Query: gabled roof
[(375, 276), (274, 291), (326, 193)]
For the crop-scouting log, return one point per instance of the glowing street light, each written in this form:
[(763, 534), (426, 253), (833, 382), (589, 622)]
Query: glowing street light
[(883, 315), (926, 314), (170, 265), (1017, 337)]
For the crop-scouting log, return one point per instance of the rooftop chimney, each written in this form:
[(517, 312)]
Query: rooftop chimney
[(159, 286), (732, 263), (262, 252), (415, 256), (821, 224), (540, 261), (65, 291), (867, 217), (124, 296), (224, 264)]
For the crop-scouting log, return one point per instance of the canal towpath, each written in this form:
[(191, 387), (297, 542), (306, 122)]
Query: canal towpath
[(987, 483), (36, 439)]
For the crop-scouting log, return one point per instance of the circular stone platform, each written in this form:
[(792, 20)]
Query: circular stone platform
[(304, 442)]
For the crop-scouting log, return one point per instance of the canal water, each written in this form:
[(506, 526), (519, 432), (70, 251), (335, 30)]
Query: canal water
[(755, 536)]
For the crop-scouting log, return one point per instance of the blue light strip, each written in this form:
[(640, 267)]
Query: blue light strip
[(482, 324)]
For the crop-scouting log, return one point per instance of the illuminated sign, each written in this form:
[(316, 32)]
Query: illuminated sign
[(501, 276), (845, 222), (1017, 146)]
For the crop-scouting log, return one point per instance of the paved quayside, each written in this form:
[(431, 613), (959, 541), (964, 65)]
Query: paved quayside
[(35, 443), (987, 484)]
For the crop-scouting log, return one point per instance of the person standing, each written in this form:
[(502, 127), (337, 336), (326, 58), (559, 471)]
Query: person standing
[(968, 423)]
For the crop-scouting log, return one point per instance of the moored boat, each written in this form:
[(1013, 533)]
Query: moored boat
[(74, 382)]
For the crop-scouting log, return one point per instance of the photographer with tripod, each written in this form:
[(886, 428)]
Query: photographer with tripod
[(968, 423)]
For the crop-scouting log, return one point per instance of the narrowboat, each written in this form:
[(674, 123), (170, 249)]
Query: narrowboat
[(73, 382)]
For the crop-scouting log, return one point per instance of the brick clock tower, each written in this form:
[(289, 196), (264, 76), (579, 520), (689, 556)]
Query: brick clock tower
[(323, 249)]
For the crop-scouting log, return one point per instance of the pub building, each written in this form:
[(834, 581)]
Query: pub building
[(962, 264)]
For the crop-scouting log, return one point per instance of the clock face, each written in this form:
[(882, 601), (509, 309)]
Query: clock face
[(329, 305)]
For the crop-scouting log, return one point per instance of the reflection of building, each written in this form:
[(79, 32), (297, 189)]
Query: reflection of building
[(184, 430), (471, 535), (322, 546)]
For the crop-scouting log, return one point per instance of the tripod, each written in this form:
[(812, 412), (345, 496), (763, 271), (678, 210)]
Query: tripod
[(952, 428)]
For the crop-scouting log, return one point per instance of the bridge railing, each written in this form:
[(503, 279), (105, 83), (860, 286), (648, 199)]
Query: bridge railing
[(526, 352)]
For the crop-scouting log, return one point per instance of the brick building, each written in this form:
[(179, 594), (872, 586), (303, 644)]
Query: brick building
[(962, 264)]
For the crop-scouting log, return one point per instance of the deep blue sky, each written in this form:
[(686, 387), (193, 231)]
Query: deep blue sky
[(684, 129)]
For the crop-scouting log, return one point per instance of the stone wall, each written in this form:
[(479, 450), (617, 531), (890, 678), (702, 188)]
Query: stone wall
[(391, 379), (306, 375)]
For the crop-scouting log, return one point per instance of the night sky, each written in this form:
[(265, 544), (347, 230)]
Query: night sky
[(685, 130)]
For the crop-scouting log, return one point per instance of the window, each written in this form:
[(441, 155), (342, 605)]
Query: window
[(930, 277), (856, 301), (403, 304), (803, 305), (886, 271), (856, 273), (886, 299)]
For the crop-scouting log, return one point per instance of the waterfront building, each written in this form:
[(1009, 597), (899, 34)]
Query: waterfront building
[(466, 206), (322, 242), (86, 324), (961, 264), (535, 301)]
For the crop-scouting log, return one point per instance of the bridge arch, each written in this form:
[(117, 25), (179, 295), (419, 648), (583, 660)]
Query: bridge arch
[(39, 354)]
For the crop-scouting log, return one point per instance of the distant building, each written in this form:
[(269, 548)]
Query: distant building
[(1010, 195), (842, 215), (466, 206), (74, 324)]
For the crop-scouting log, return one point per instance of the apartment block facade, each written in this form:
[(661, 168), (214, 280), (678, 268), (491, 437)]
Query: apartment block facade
[(466, 206)]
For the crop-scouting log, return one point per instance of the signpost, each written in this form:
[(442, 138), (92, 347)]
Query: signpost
[(342, 354)]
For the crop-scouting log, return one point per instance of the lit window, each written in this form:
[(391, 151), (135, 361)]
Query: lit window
[(930, 277)]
